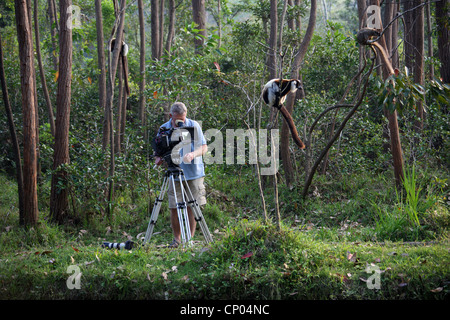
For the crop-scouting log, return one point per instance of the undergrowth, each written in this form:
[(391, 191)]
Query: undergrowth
[(329, 246)]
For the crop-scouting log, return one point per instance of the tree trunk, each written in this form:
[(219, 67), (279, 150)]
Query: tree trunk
[(123, 118), (396, 147), (120, 96), (53, 30), (171, 27), (142, 115), (59, 202), (29, 111), (33, 77), (291, 97), (113, 65), (199, 17), (51, 119), (430, 40), (408, 35), (156, 31), (161, 27), (12, 130), (101, 60), (272, 54), (419, 55), (442, 16)]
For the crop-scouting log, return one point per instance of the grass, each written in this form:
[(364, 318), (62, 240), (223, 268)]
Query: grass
[(327, 248)]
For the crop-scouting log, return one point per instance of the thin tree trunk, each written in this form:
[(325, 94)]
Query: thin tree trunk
[(101, 62), (272, 52), (199, 17), (113, 65), (219, 23), (408, 35), (123, 119), (290, 100), (120, 95), (419, 55), (142, 115), (161, 27), (59, 202), (171, 27), (155, 26), (53, 22), (442, 13), (29, 110), (51, 118), (430, 40), (12, 130), (396, 147), (38, 164)]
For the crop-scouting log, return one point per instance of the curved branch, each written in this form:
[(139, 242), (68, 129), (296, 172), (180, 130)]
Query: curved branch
[(340, 104), (337, 134)]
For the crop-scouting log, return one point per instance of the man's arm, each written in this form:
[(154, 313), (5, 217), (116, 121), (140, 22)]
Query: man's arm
[(196, 153)]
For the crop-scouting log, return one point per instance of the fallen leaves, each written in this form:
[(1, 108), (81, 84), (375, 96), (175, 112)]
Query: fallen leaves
[(247, 255)]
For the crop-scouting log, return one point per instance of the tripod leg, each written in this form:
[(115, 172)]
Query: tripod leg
[(181, 212), (155, 211), (184, 210), (198, 214)]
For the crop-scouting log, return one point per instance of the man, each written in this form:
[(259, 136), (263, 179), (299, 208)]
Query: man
[(193, 168)]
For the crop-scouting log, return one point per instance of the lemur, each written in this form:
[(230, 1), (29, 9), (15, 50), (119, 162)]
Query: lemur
[(274, 94)]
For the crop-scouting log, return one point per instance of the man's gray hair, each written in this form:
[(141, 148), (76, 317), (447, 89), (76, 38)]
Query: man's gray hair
[(178, 108)]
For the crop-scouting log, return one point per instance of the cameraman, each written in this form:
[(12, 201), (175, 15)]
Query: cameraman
[(193, 168)]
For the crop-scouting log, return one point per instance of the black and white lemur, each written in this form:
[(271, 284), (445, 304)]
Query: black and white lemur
[(124, 60), (274, 94)]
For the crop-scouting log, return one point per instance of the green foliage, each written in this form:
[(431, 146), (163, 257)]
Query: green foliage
[(400, 92), (335, 51), (352, 205)]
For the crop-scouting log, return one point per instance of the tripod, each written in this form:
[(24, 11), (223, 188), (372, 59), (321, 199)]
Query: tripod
[(169, 179)]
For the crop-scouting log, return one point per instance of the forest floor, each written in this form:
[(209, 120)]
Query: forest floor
[(324, 249)]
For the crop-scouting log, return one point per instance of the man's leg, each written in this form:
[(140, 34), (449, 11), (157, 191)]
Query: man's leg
[(175, 225), (192, 221)]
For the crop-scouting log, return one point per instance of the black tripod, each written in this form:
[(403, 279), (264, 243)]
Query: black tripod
[(169, 179)]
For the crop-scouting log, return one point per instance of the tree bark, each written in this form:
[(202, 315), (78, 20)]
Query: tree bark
[(53, 31), (396, 146), (291, 97), (59, 202), (156, 31), (48, 101), (100, 57), (161, 27), (199, 17), (142, 115), (113, 65), (430, 40), (29, 111), (408, 35), (272, 54), (419, 56), (12, 130), (442, 16), (171, 27)]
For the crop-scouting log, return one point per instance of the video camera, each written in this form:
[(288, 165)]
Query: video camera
[(168, 138)]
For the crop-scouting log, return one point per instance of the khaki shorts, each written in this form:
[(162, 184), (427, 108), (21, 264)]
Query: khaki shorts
[(197, 189)]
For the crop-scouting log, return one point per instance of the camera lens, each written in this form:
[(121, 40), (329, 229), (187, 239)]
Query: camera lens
[(179, 123)]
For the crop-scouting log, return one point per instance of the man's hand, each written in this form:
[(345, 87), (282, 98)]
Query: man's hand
[(158, 161), (188, 157)]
